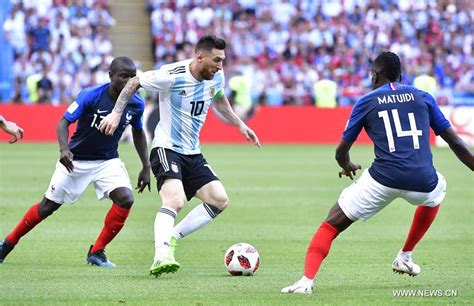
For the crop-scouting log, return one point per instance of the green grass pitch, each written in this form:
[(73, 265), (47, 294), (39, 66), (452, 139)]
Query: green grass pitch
[(278, 197)]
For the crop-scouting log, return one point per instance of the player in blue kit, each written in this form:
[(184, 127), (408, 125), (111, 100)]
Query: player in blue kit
[(187, 89), (92, 157), (397, 119)]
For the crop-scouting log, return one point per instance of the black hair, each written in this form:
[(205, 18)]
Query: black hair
[(210, 42), (122, 61), (388, 65)]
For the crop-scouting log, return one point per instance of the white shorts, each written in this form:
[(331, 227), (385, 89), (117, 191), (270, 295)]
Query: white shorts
[(366, 197), (107, 175)]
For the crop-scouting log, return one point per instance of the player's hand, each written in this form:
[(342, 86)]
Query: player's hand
[(350, 170), (249, 134), (66, 160), (13, 129), (110, 123), (143, 180)]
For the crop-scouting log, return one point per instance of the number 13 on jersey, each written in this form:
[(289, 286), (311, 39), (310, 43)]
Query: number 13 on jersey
[(413, 132)]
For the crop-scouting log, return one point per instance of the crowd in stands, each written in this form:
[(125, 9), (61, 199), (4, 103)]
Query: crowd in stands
[(286, 46), (300, 52), (59, 48)]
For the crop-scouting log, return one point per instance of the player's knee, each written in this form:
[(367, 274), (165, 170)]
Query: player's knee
[(125, 200), (174, 202), (221, 201), (47, 208), (123, 197)]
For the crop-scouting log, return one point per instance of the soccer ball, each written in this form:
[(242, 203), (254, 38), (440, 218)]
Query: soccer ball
[(241, 259)]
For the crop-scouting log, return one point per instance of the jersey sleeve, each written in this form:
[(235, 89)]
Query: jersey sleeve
[(438, 122), (155, 80), (356, 122), (77, 108), (220, 83)]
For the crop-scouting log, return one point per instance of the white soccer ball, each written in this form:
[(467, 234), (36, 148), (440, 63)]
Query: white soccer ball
[(241, 259)]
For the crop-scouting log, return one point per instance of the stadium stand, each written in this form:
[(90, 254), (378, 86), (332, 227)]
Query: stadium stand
[(283, 46), (286, 46), (58, 48)]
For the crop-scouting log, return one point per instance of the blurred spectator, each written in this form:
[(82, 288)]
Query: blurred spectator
[(292, 42), (325, 93), (14, 28), (32, 85), (62, 84), (21, 71), (45, 87), (201, 16), (287, 44), (466, 83), (426, 82), (40, 35), (71, 38), (241, 96)]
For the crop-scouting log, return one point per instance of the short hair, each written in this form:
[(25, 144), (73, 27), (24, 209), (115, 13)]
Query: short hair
[(210, 42), (122, 61), (388, 64)]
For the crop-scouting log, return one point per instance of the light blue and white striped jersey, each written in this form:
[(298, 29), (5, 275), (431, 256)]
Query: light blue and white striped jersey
[(184, 103)]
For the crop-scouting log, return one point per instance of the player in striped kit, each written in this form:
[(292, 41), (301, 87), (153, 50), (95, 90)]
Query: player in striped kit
[(187, 89)]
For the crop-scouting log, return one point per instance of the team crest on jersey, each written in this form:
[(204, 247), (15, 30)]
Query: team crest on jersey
[(128, 117), (174, 167), (213, 91)]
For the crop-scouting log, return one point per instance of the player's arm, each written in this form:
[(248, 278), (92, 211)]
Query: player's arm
[(11, 128), (442, 127), (139, 140), (343, 159), (351, 132), (459, 147), (66, 156), (109, 124), (223, 107)]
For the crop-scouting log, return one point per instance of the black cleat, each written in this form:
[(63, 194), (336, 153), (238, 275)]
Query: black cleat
[(98, 258), (5, 249)]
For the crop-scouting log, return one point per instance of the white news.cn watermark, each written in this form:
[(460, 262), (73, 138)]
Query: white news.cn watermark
[(425, 293)]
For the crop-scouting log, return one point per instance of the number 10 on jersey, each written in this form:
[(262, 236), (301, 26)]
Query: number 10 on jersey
[(196, 107), (413, 132)]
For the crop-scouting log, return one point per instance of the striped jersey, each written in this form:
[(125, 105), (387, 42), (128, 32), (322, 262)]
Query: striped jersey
[(184, 103)]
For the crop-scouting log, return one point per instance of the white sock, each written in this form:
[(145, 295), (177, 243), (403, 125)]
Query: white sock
[(195, 219), (164, 223)]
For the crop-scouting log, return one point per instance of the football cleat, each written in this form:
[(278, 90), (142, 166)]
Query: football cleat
[(303, 286), (98, 258), (5, 249), (173, 244), (166, 264), (405, 265)]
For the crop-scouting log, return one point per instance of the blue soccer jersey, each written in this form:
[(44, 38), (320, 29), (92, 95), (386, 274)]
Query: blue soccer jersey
[(397, 119), (91, 106)]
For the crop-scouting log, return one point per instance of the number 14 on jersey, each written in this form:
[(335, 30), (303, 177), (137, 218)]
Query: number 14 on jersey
[(413, 132)]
